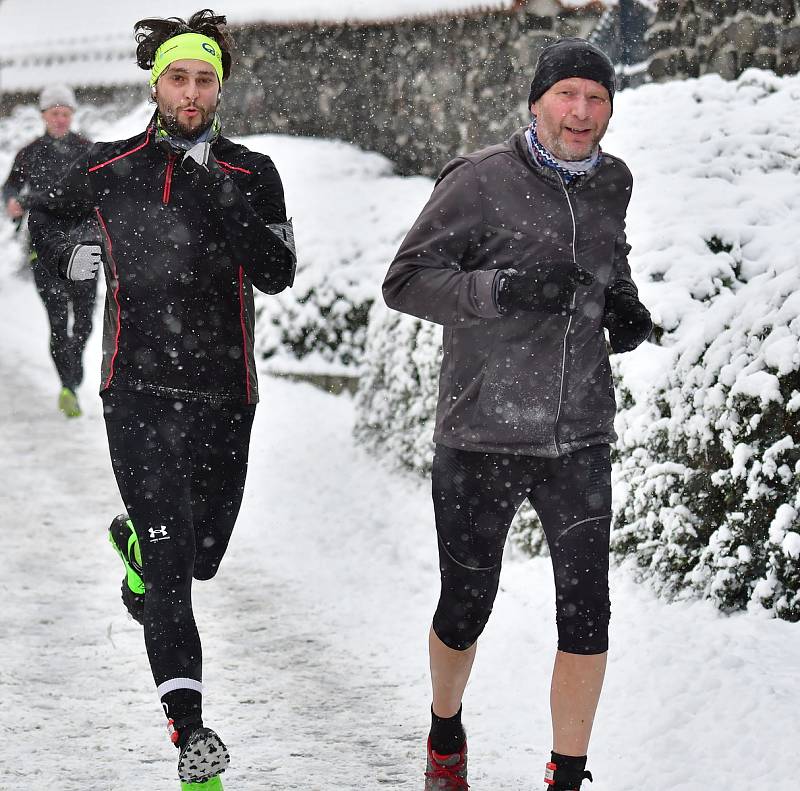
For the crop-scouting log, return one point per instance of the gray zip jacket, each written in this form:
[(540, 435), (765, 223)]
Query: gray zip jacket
[(526, 383)]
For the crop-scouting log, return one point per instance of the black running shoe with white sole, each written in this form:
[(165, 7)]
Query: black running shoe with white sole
[(203, 756)]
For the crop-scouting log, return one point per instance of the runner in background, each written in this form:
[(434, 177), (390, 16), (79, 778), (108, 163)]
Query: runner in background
[(69, 304)]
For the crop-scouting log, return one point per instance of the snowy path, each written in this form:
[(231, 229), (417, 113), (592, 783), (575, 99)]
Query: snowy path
[(314, 630)]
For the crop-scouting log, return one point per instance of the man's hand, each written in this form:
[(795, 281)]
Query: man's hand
[(200, 157), (627, 320), (14, 209), (548, 286), (84, 261)]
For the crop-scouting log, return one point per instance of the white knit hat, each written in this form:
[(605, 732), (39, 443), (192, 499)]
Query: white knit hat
[(57, 95)]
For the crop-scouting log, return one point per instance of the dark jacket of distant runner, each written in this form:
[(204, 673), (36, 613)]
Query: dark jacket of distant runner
[(41, 163), (528, 382), (181, 254)]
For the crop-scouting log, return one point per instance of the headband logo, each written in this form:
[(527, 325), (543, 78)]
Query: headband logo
[(208, 48)]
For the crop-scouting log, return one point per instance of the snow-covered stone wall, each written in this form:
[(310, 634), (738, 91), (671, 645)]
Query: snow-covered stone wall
[(418, 90), (694, 37), (414, 80)]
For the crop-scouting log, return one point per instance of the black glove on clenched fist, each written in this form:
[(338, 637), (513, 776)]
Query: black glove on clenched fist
[(200, 159), (547, 286), (627, 320)]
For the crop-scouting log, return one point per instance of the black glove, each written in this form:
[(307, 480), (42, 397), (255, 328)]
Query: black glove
[(627, 320), (200, 159), (547, 286)]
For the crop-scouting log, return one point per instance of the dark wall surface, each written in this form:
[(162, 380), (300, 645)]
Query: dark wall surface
[(417, 91), (694, 37)]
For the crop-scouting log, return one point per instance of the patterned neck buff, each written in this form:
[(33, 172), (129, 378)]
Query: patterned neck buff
[(184, 144), (566, 169)]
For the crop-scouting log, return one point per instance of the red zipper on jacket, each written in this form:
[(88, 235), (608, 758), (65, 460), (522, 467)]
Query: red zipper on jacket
[(168, 179)]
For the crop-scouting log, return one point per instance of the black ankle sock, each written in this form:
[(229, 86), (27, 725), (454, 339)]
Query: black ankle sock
[(570, 770), (185, 708), (185, 731), (447, 733)]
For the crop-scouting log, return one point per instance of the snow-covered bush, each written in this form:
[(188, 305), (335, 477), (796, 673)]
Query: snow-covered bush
[(398, 388), (708, 461), (711, 461), (325, 322), (350, 213), (396, 401)]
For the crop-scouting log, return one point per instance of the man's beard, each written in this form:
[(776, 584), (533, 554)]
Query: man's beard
[(566, 155), (170, 122), (562, 151)]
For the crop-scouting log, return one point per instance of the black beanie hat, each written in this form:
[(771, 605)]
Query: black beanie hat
[(572, 57)]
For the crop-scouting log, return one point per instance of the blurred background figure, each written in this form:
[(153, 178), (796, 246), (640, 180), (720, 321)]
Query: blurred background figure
[(38, 167)]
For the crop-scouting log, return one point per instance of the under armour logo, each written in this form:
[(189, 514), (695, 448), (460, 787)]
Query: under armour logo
[(158, 533)]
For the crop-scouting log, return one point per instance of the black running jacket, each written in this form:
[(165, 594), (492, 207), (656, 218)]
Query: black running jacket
[(40, 164), (182, 252)]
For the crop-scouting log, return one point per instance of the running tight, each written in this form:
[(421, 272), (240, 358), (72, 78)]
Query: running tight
[(180, 467), (66, 343), (476, 496)]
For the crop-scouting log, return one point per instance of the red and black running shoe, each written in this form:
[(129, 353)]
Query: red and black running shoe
[(446, 772), (558, 780)]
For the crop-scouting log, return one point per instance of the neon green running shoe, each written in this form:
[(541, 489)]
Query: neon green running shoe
[(123, 538), (68, 403), (214, 784)]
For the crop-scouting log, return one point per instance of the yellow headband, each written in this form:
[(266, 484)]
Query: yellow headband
[(187, 46)]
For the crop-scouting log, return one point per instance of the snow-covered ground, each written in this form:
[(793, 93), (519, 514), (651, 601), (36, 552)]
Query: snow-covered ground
[(315, 628)]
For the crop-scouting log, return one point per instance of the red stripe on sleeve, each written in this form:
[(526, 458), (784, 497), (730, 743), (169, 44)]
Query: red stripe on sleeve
[(116, 299), (233, 167), (244, 333), (122, 156)]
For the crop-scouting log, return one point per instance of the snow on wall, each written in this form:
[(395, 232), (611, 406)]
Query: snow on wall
[(418, 90), (90, 42), (23, 22), (34, 21)]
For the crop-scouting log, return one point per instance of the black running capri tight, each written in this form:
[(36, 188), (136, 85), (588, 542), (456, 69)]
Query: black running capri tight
[(476, 496), (181, 469)]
